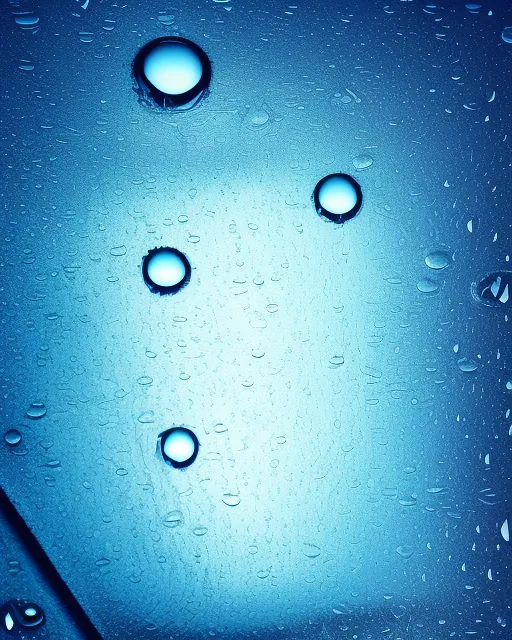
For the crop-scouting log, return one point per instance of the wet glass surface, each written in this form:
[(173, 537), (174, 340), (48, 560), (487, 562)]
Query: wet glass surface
[(350, 384)]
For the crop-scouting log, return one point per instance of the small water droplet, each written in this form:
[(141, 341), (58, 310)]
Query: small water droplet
[(118, 251), (146, 417), (12, 437), (437, 260), (173, 519), (505, 531), (405, 551), (179, 447), (310, 550), (495, 290), (86, 36), (508, 385), (172, 72), (338, 197), (231, 499), (362, 161), (103, 562), (263, 573), (36, 411), (200, 531), (167, 19), (166, 270), (507, 35), (426, 285), (467, 365)]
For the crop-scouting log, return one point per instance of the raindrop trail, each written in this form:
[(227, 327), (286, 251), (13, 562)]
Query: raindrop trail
[(21, 530)]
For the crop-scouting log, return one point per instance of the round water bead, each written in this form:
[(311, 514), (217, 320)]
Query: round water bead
[(338, 197), (172, 72), (179, 447), (166, 270)]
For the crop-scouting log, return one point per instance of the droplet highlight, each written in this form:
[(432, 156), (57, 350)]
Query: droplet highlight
[(166, 270), (179, 447), (172, 72), (338, 197)]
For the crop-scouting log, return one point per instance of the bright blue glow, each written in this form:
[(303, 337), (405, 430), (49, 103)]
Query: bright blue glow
[(166, 269), (173, 68), (179, 446), (337, 195)]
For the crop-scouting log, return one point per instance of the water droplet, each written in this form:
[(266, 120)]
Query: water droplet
[(426, 285), (179, 447), (508, 385), (166, 270), (167, 19), (86, 36), (146, 417), (505, 531), (118, 251), (12, 437), (495, 290), (18, 614), (362, 161), (172, 72), (103, 562), (310, 550), (26, 20), (36, 411), (200, 531), (338, 197), (467, 365), (507, 35), (405, 551), (231, 499), (437, 260), (173, 519)]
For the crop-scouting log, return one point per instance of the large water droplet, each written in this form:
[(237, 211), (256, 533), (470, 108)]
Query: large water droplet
[(506, 36), (495, 290), (231, 499), (166, 270), (467, 365), (437, 260), (12, 437), (172, 72), (18, 614), (36, 411), (173, 519), (179, 447), (338, 197)]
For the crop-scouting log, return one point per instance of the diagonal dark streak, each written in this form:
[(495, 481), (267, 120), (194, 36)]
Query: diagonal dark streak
[(50, 573)]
